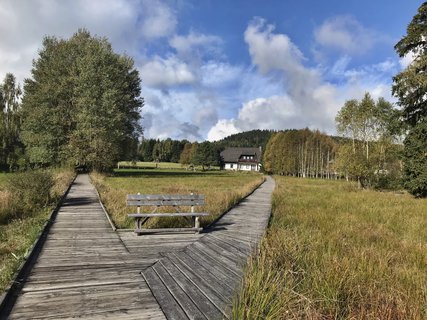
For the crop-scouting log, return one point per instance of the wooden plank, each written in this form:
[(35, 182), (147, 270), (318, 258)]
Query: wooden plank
[(209, 310), (170, 307), (165, 197), (172, 214), (214, 261), (160, 230), (198, 277), (171, 203)]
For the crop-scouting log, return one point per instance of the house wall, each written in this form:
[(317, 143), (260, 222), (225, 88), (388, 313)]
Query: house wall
[(230, 166), (242, 167)]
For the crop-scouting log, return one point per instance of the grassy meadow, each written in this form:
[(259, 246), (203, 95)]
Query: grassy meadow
[(222, 190), (156, 165), (335, 252), (18, 231)]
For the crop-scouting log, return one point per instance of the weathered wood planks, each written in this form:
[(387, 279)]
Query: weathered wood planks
[(200, 280), (87, 270), (84, 269)]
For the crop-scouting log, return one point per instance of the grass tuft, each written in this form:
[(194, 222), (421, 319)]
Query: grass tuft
[(222, 190), (18, 231), (332, 252)]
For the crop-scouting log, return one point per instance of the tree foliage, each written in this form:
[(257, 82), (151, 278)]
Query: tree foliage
[(301, 153), (252, 138), (370, 149), (11, 148), (82, 104), (410, 87), (205, 154)]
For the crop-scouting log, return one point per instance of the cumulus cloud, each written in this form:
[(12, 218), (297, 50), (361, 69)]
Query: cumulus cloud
[(305, 97), (271, 51), (159, 72), (159, 19), (346, 35), (195, 43), (23, 24)]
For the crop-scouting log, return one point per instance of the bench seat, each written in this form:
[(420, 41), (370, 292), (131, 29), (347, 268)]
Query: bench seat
[(168, 214), (156, 201)]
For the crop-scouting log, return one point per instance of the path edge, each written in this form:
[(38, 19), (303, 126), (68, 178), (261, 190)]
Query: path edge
[(210, 225), (11, 292)]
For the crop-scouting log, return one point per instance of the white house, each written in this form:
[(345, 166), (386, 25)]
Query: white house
[(246, 159)]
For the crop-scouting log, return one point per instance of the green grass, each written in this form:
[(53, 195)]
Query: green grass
[(222, 190), (18, 234), (334, 252), (158, 165), (3, 178)]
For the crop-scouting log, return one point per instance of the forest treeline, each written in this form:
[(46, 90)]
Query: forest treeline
[(300, 153), (367, 151), (199, 153)]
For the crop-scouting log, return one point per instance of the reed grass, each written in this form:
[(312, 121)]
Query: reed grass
[(333, 252), (222, 190), (17, 235)]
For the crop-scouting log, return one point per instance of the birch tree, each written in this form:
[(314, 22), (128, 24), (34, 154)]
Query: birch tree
[(367, 124)]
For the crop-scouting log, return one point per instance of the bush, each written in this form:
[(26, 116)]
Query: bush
[(30, 190)]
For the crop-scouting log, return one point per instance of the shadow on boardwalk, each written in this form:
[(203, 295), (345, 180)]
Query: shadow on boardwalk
[(87, 270)]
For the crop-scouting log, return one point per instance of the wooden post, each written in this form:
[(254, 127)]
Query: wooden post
[(196, 219), (138, 220)]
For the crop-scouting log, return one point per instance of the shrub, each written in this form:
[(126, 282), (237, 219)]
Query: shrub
[(30, 190)]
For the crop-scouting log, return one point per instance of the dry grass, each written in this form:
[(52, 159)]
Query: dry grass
[(222, 190), (18, 235), (333, 252)]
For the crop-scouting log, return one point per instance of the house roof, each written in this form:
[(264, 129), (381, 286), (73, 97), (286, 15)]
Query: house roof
[(234, 154)]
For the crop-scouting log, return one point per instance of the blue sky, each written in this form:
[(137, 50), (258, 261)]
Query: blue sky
[(214, 68)]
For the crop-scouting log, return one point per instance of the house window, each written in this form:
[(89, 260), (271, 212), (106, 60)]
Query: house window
[(231, 166)]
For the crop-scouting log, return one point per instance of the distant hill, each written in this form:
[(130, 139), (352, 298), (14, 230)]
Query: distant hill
[(253, 138)]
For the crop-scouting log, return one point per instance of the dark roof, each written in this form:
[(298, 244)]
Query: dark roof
[(234, 154)]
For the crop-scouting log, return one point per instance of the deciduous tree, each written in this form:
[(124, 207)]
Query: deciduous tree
[(82, 104)]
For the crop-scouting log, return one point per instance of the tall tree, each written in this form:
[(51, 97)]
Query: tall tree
[(302, 153), (11, 148), (82, 104), (206, 155), (367, 124), (410, 87)]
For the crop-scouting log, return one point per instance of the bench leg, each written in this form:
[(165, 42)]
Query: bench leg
[(196, 222)]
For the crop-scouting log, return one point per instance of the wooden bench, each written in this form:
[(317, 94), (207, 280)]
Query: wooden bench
[(157, 201)]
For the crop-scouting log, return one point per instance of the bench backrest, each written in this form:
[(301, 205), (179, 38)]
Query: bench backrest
[(165, 199)]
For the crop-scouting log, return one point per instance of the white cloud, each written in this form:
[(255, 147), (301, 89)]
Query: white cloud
[(187, 46), (23, 24), (305, 97), (219, 74), (159, 20), (271, 51), (222, 129), (346, 35), (407, 60), (179, 114), (160, 72), (276, 112)]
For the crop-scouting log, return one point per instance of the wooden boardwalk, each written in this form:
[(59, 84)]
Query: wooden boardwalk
[(87, 270)]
